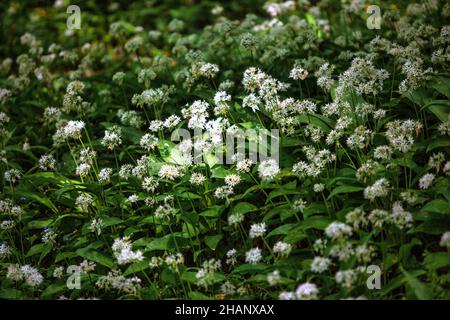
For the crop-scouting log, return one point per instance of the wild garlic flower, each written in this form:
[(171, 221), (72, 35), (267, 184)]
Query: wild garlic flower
[(112, 138), (197, 178), (298, 73), (356, 218), (148, 142), (320, 264), (445, 240), (169, 172), (307, 291), (253, 256), (104, 176), (220, 100), (84, 201), (282, 248), (231, 257), (400, 133), (5, 250), (12, 175), (426, 181), (251, 101), (123, 251), (29, 274), (346, 278), (96, 226), (378, 217), (164, 212), (223, 192), (244, 165), (273, 278), (338, 230), (235, 218), (208, 70), (400, 217), (232, 180), (73, 129), (377, 190), (47, 162), (257, 230), (268, 169)]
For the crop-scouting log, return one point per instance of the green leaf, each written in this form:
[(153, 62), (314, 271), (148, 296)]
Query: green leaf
[(282, 230), (42, 200), (344, 190), (53, 289), (244, 207), (10, 293), (421, 291), (39, 249), (213, 241), (96, 256), (136, 267), (437, 260), (440, 108), (437, 206), (39, 224)]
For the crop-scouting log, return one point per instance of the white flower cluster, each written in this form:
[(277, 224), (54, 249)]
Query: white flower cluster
[(123, 252), (30, 275)]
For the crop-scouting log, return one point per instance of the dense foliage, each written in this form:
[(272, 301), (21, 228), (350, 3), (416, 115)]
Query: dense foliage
[(93, 185)]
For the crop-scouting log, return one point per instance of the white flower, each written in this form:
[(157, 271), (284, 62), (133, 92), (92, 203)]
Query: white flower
[(209, 70), (231, 257), (232, 180), (274, 277), (320, 264), (378, 189), (223, 192), (96, 226), (268, 169), (426, 181), (150, 184), (58, 272), (445, 240), (31, 275), (169, 172), (73, 129), (164, 212), (112, 138), (133, 198), (235, 218), (83, 201), (104, 176), (251, 101), (148, 141), (123, 252), (346, 278), (282, 248), (253, 255), (5, 250), (338, 230), (244, 165), (82, 169), (220, 100), (286, 295), (400, 217), (197, 178), (257, 230), (307, 291), (12, 175), (318, 187), (298, 73), (47, 162)]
